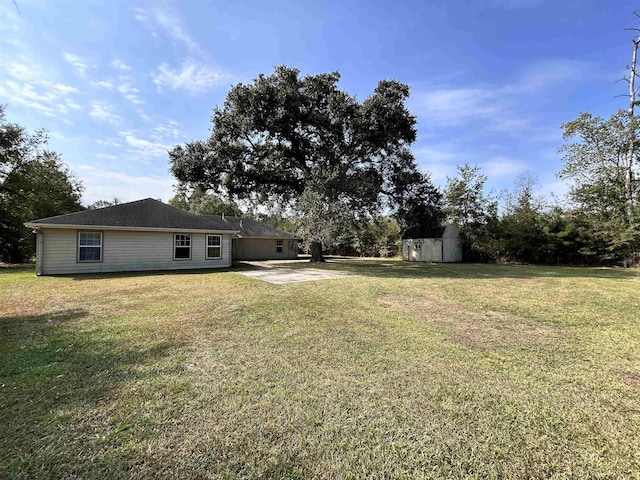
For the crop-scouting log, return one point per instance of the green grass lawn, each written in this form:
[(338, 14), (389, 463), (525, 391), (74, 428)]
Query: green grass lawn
[(401, 371)]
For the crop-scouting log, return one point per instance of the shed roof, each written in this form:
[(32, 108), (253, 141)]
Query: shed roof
[(249, 228), (147, 213)]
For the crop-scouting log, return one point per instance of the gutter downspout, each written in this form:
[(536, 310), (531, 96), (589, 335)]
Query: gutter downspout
[(39, 250)]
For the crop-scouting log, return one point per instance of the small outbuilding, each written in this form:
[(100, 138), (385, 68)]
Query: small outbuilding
[(444, 249)]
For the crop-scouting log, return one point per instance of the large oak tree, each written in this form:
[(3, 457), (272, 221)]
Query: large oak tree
[(302, 141)]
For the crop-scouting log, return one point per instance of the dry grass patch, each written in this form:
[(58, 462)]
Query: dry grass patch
[(473, 328)]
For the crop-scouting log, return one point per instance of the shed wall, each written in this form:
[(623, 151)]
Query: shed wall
[(125, 251), (451, 250), (447, 250), (422, 250)]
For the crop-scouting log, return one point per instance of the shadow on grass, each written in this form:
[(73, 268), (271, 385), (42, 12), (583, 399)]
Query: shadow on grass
[(392, 268), (24, 321), (145, 273), (52, 373), (19, 268)]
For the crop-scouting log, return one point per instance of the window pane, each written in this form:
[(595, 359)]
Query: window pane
[(88, 254), (213, 252), (213, 240), (182, 240), (90, 239), (182, 252)]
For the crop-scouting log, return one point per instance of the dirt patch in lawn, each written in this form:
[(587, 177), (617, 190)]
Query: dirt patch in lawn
[(473, 328)]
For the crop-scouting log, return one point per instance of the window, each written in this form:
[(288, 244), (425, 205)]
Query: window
[(214, 246), (279, 246), (89, 246), (182, 247)]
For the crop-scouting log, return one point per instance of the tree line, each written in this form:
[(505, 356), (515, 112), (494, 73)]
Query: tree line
[(340, 172), (304, 156)]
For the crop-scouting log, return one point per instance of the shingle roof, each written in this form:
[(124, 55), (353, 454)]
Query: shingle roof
[(147, 213), (249, 227)]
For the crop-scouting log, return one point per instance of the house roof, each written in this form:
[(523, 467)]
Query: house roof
[(249, 228), (147, 213)]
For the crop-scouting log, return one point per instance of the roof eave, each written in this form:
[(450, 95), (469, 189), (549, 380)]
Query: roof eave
[(126, 228), (261, 237)]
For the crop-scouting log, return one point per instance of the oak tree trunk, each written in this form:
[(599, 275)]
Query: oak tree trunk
[(316, 252)]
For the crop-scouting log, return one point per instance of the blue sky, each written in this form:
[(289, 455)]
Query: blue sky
[(117, 83)]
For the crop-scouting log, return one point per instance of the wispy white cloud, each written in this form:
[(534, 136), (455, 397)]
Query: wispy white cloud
[(104, 112), (109, 141), (27, 80), (143, 115), (168, 131), (499, 167), (452, 106), (191, 77), (106, 156), (76, 62), (101, 84), (143, 149), (439, 160), (26, 84), (25, 71), (67, 107), (120, 65), (492, 107), (161, 17), (544, 74), (130, 93), (63, 89)]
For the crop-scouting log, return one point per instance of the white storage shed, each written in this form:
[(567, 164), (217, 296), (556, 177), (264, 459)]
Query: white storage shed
[(446, 249)]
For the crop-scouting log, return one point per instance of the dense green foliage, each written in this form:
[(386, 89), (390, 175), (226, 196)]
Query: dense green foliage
[(202, 203), (34, 183), (529, 230), (605, 183), (475, 212), (104, 203)]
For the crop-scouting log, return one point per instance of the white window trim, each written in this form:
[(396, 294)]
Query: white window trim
[(281, 246), (206, 247), (182, 246), (88, 246)]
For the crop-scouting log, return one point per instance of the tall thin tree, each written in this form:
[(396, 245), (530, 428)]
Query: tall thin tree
[(633, 91)]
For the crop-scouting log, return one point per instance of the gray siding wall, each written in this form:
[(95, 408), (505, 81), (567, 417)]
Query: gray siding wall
[(126, 251), (263, 249)]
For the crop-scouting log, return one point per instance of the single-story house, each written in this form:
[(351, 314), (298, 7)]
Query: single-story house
[(446, 248), (142, 235), (257, 241)]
